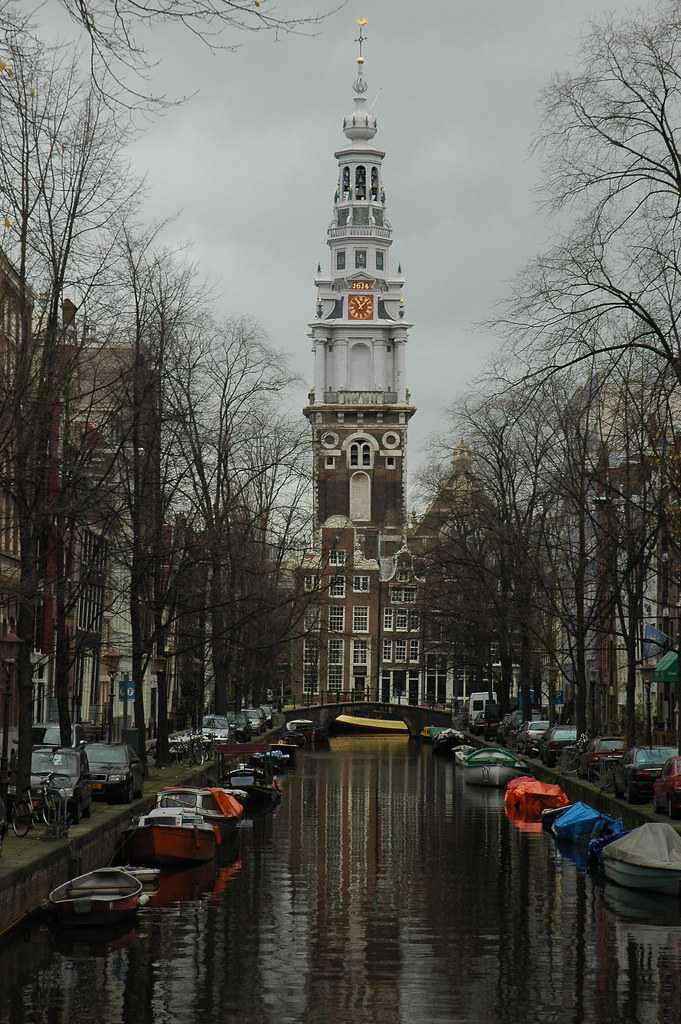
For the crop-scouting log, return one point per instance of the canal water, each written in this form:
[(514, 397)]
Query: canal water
[(383, 890)]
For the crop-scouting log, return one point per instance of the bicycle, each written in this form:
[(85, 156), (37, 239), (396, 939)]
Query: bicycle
[(49, 810)]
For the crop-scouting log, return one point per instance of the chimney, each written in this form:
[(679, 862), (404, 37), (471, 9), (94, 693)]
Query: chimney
[(68, 312)]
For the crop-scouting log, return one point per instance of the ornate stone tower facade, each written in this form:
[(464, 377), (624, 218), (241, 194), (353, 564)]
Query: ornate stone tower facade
[(359, 407)]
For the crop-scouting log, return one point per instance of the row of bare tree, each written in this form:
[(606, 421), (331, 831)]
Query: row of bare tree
[(559, 525), (133, 421)]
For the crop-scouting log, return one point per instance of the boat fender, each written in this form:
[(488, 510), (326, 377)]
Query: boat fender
[(144, 899)]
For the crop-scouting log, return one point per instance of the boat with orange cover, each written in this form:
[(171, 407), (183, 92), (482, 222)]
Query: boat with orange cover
[(171, 835), (215, 805), (526, 798)]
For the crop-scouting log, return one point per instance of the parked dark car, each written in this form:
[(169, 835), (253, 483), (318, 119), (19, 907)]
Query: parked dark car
[(635, 774), (555, 740), (116, 772), (256, 718), (667, 788), (240, 726), (72, 777), (598, 752), (526, 740)]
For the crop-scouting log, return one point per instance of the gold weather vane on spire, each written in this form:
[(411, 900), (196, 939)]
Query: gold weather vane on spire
[(361, 39)]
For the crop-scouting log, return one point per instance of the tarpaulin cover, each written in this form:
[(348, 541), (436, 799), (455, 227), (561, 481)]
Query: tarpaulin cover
[(654, 845), (578, 820), (229, 805), (526, 798)]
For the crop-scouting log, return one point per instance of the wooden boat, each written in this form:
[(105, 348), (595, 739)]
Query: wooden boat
[(169, 835), (357, 723), (461, 752), (216, 806), (107, 896), (647, 858), (492, 766)]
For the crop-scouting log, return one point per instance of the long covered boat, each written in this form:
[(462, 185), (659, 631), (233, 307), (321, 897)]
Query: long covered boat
[(357, 723)]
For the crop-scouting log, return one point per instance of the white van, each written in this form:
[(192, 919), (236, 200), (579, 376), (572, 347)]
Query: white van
[(478, 702)]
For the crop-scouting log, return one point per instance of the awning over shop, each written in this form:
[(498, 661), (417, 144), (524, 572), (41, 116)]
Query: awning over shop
[(666, 669)]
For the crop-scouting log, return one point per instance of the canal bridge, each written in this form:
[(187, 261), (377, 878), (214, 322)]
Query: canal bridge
[(414, 716)]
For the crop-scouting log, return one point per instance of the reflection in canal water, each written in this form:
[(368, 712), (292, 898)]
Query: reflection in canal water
[(383, 890)]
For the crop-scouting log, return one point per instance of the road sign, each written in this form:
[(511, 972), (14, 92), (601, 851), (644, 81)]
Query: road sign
[(126, 689)]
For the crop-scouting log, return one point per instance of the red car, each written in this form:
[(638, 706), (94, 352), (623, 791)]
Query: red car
[(596, 752), (667, 788)]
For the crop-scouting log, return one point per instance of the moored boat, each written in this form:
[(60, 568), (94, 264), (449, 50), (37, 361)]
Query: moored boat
[(446, 739), (526, 798), (103, 897), (261, 793), (216, 807), (492, 766), (358, 723), (647, 858), (170, 835)]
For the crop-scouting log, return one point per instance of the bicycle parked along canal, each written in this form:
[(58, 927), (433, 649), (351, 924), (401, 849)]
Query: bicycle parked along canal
[(49, 809)]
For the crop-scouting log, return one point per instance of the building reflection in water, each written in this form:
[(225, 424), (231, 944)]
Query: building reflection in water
[(384, 890)]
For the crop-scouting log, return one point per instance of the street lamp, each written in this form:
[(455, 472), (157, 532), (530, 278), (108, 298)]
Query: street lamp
[(111, 659), (9, 649), (647, 672)]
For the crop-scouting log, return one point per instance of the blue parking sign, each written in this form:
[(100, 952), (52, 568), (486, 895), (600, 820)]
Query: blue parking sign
[(126, 689)]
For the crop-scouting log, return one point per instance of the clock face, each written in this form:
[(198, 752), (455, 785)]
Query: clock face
[(361, 307)]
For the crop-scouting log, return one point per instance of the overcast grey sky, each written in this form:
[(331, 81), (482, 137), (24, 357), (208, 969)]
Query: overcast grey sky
[(248, 163)]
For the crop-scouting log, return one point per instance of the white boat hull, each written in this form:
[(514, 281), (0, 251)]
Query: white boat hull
[(648, 879), (495, 775)]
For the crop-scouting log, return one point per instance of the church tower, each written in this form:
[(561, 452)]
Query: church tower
[(360, 407)]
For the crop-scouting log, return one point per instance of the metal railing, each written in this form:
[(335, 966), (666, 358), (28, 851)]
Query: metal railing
[(360, 397), (359, 231)]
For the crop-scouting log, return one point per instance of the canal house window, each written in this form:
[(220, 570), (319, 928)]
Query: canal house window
[(340, 260), (413, 650), (336, 618), (337, 586), (336, 557), (403, 595), (360, 584), (414, 621), (335, 664), (436, 677), (401, 620), (335, 677), (359, 652), (360, 620), (310, 583), (387, 650), (400, 650), (388, 618), (310, 662)]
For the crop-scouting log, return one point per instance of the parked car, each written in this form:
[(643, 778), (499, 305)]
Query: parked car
[(217, 727), (667, 788), (256, 717), (240, 726), (635, 774), (72, 776), (116, 772), (526, 740), (486, 722), (599, 750), (554, 740)]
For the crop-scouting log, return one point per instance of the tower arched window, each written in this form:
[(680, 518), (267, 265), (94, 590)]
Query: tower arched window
[(361, 454), (366, 455), (374, 184), (354, 455), (346, 182), (361, 182)]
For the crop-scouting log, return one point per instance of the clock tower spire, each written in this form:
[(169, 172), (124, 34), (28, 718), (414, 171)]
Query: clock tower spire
[(359, 407)]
